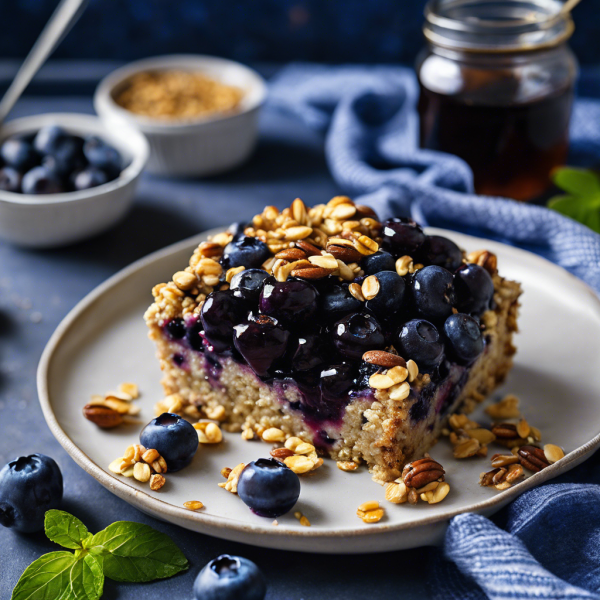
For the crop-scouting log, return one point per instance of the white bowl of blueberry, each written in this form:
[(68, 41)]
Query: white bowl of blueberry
[(65, 177)]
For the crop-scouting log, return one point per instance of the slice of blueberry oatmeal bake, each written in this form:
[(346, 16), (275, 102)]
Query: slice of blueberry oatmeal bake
[(358, 336)]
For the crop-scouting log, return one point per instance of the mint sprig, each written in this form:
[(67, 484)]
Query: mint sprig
[(124, 551), (582, 200)]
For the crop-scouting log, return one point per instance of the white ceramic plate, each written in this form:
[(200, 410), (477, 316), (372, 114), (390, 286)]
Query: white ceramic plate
[(103, 342)]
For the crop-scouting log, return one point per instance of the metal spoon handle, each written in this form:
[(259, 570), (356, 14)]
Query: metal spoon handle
[(63, 18)]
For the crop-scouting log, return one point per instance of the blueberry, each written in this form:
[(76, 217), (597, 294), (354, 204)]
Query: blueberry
[(230, 578), (247, 285), (245, 251), (261, 341), (336, 301), (420, 341), (268, 487), (173, 438), (29, 486), (464, 337), (474, 289), (356, 334), (380, 261), (310, 352), (102, 155), (194, 336), (176, 329), (364, 373), (336, 381), (10, 179), (390, 297), (41, 181), (402, 236), (220, 312), (18, 153), (89, 178), (48, 139), (237, 229), (292, 302), (67, 157), (440, 251), (433, 292)]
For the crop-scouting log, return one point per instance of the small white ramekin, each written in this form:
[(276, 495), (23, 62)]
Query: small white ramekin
[(200, 147), (51, 220)]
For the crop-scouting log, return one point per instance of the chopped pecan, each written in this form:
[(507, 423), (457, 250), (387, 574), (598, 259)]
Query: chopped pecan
[(347, 254), (533, 458), (312, 273), (419, 473), (383, 359), (505, 431), (310, 249), (366, 211), (281, 454), (103, 416), (292, 254)]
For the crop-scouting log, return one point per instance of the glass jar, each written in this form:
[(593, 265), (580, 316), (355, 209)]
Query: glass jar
[(496, 83)]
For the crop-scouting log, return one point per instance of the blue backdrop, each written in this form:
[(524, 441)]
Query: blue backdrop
[(249, 30)]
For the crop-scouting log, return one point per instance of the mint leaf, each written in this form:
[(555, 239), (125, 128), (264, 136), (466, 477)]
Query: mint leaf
[(134, 552), (86, 580), (47, 577), (65, 529), (578, 182)]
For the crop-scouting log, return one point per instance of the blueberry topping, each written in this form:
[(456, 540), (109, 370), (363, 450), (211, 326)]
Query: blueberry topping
[(380, 261), (193, 335), (464, 337), (474, 289), (440, 251), (420, 341), (173, 438), (336, 301), (247, 284), (41, 181), (245, 251), (261, 341), (364, 374), (292, 302), (355, 334), (18, 153), (336, 381), (311, 351), (49, 138), (268, 487), (402, 236), (10, 179), (89, 178), (175, 329), (220, 312), (102, 155), (230, 578), (433, 292), (390, 297), (29, 486)]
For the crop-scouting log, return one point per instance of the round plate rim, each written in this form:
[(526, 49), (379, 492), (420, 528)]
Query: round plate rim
[(162, 509)]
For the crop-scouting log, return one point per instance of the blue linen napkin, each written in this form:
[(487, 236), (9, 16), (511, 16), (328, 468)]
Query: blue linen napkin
[(546, 544)]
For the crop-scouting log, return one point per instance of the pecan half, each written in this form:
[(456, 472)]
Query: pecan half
[(310, 249), (312, 273), (281, 454), (103, 416), (421, 472), (292, 254), (533, 458), (347, 254), (366, 211), (383, 359)]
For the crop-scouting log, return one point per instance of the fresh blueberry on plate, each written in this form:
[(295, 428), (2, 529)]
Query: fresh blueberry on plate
[(10, 179), (220, 312), (357, 333), (29, 486), (402, 236), (247, 285), (230, 578), (390, 297), (49, 138), (336, 301), (474, 289), (245, 251), (433, 292), (380, 261), (89, 178), (440, 251), (464, 337), (173, 438), (40, 180), (261, 341), (420, 341), (102, 155), (292, 302), (268, 487), (18, 153)]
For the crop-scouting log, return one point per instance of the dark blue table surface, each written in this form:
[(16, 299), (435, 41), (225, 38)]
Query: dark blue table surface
[(38, 288)]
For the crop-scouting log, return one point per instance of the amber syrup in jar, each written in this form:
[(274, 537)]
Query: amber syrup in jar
[(498, 92)]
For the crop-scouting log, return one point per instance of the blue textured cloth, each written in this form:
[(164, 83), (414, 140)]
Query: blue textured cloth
[(371, 125), (547, 543)]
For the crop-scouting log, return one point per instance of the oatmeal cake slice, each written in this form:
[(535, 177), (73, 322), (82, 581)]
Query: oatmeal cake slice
[(357, 336)]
